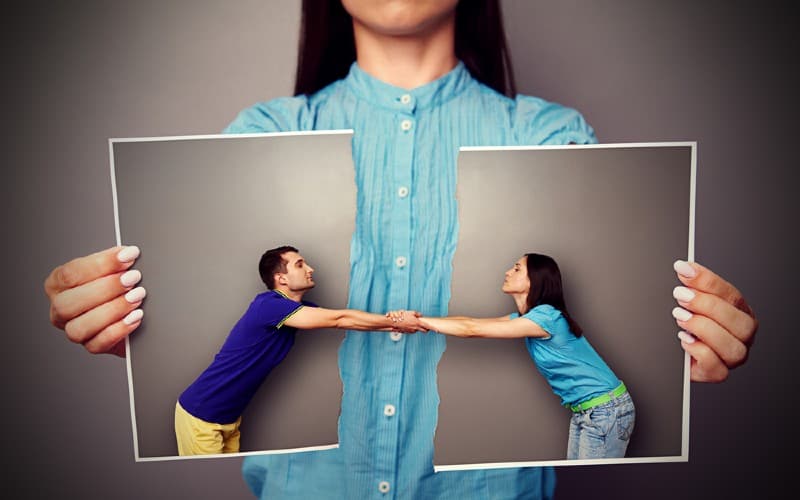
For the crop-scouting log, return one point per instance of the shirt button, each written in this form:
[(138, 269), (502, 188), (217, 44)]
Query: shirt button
[(402, 191), (400, 261), (384, 487), (405, 98), (396, 336), (405, 125), (388, 410)]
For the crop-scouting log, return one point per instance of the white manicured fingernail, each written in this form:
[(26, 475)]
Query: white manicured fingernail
[(684, 269), (682, 294), (128, 254), (130, 278), (686, 337), (133, 317), (136, 295), (681, 314)]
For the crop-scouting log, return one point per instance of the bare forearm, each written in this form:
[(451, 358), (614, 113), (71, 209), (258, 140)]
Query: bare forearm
[(501, 328), (460, 326), (353, 319)]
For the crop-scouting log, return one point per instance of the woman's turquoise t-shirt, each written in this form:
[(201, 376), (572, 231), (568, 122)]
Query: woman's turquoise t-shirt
[(570, 364)]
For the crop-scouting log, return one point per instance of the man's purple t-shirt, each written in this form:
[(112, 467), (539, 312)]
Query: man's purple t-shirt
[(259, 341)]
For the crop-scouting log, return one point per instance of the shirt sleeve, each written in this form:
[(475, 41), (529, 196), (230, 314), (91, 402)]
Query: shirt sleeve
[(285, 114), (546, 318), (539, 122), (273, 311)]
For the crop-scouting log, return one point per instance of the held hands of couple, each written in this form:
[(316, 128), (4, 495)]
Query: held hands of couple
[(406, 321), (718, 327)]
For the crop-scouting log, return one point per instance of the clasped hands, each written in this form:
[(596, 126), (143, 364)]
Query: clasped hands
[(406, 321)]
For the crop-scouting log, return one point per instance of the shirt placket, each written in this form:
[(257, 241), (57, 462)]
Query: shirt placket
[(405, 123)]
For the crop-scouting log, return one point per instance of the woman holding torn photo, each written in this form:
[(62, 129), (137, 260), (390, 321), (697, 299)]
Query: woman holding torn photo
[(415, 80)]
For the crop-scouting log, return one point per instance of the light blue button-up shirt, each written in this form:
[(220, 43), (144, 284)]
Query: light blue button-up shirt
[(405, 146)]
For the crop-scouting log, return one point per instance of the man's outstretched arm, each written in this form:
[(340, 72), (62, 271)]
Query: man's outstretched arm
[(308, 318)]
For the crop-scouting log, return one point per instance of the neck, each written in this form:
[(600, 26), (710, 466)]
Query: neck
[(407, 61), (294, 295), (522, 303)]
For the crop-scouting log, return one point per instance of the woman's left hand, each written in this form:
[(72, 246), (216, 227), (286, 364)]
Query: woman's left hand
[(718, 325)]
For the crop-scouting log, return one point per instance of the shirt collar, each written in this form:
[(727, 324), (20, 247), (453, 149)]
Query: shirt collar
[(283, 295), (429, 95)]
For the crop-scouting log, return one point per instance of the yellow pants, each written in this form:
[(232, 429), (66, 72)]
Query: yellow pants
[(198, 437)]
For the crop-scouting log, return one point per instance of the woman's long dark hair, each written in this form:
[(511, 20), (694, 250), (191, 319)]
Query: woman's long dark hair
[(327, 47), (546, 288)]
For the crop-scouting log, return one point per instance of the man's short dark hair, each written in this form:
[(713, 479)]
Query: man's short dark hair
[(273, 262)]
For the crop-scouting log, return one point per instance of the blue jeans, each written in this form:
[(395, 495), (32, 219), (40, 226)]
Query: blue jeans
[(602, 431)]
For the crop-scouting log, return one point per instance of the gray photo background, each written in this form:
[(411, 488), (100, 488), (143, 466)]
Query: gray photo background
[(721, 73), (586, 208), (203, 211)]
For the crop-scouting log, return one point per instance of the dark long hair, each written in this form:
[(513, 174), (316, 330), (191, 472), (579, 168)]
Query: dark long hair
[(327, 47), (546, 288)]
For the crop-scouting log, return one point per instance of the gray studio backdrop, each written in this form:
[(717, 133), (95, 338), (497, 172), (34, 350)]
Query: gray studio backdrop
[(723, 73), (203, 210), (614, 219)]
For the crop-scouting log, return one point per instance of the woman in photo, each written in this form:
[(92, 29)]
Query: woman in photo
[(603, 411)]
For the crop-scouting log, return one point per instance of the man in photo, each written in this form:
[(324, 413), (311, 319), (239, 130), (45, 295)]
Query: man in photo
[(208, 413)]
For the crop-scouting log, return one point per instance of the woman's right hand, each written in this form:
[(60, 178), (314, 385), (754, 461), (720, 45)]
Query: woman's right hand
[(94, 299)]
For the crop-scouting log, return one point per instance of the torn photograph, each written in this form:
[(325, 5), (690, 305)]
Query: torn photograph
[(241, 238), (562, 348)]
